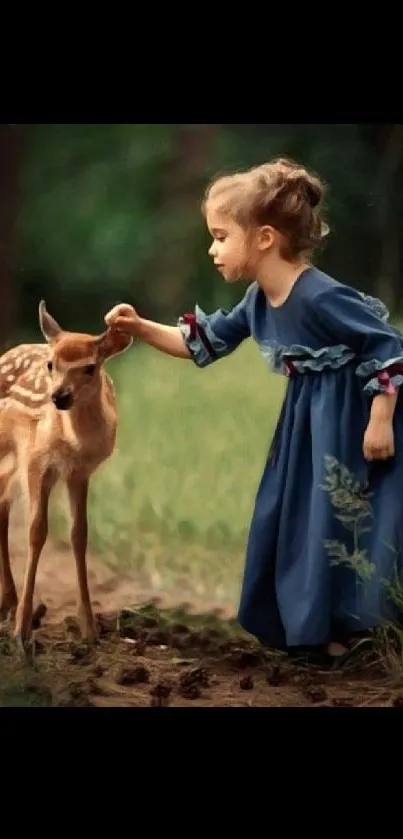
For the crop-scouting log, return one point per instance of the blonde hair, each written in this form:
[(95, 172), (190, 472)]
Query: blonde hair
[(281, 193)]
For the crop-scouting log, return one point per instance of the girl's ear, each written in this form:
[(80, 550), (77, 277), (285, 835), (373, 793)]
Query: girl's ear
[(266, 237)]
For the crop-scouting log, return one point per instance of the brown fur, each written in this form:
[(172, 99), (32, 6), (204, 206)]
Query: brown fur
[(40, 445)]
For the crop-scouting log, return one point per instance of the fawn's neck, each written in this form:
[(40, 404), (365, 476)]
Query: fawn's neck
[(93, 414)]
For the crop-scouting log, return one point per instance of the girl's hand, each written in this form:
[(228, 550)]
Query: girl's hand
[(123, 317), (379, 441)]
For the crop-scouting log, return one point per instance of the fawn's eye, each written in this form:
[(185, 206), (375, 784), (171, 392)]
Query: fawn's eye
[(90, 370), (50, 366)]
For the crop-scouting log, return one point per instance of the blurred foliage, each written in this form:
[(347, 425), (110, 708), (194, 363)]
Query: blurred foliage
[(111, 212)]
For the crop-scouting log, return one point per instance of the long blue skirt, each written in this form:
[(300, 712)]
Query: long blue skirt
[(325, 544)]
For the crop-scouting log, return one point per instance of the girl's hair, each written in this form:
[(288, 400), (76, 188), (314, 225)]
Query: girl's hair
[(282, 194)]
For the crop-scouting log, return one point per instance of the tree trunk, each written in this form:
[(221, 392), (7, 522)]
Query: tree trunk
[(11, 139)]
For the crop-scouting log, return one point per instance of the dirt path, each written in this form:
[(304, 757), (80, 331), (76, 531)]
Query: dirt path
[(158, 654), (110, 588), (154, 657)]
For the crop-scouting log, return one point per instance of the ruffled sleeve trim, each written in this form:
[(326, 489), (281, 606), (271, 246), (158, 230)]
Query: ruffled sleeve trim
[(383, 376), (203, 344)]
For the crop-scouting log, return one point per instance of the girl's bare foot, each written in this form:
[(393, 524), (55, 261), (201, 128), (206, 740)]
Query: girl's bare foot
[(335, 649)]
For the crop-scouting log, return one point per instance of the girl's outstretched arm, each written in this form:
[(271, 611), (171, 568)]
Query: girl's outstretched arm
[(167, 339)]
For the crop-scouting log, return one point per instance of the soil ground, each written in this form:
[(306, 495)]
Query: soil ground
[(163, 652)]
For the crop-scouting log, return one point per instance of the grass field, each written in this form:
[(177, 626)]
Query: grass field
[(176, 497)]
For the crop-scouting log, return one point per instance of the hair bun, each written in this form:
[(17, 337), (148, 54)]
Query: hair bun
[(297, 179), (313, 193)]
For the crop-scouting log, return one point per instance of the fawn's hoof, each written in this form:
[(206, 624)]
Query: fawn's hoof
[(89, 628), (25, 648), (90, 634), (90, 637)]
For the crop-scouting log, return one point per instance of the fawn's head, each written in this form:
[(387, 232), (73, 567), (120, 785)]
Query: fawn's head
[(76, 359)]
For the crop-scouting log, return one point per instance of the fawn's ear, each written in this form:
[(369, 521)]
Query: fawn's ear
[(49, 327), (113, 342)]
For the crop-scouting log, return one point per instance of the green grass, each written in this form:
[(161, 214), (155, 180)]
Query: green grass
[(176, 498)]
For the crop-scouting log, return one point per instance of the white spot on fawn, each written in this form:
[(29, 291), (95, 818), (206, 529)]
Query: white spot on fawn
[(27, 394)]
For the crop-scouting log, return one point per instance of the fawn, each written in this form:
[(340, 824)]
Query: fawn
[(57, 422)]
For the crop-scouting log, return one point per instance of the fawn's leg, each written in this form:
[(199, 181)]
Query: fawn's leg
[(8, 601), (78, 494), (39, 487)]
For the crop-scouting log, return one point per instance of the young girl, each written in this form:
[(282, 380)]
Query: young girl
[(325, 541)]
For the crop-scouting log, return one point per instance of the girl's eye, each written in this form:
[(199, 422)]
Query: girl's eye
[(50, 366)]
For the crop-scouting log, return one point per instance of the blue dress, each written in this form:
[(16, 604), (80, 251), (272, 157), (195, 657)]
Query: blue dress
[(326, 537)]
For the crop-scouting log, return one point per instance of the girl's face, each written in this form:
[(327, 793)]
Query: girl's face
[(232, 249)]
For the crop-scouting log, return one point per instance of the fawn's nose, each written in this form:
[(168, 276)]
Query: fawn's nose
[(63, 399)]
